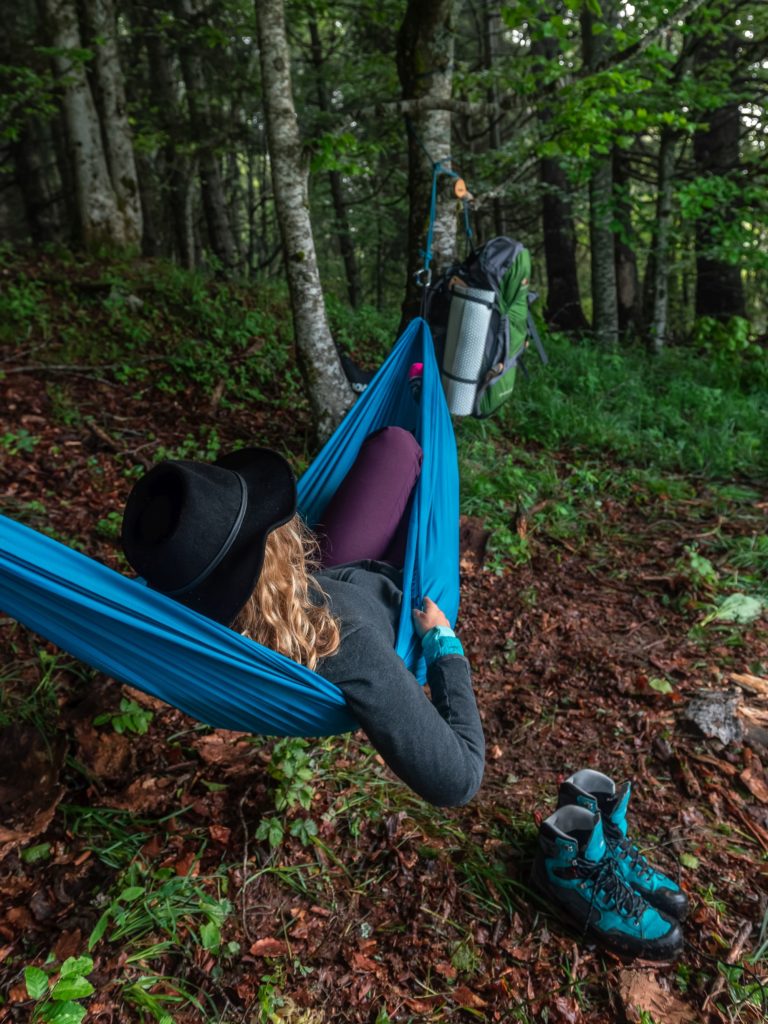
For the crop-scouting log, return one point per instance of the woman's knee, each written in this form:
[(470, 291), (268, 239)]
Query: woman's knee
[(397, 444)]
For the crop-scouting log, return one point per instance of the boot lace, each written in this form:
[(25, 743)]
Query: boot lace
[(606, 880), (618, 841)]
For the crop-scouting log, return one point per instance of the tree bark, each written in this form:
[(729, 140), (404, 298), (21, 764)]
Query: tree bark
[(329, 392), (662, 237), (37, 176), (99, 218), (115, 129), (563, 309), (491, 30), (175, 169), (214, 201), (343, 231), (425, 45), (628, 295), (605, 314), (719, 288)]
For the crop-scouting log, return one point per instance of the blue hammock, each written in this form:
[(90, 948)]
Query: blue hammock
[(146, 639)]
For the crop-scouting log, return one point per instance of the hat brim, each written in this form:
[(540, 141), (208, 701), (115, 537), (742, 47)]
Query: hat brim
[(271, 502)]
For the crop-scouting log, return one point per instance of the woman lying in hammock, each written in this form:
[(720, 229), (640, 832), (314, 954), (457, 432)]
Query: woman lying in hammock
[(225, 539)]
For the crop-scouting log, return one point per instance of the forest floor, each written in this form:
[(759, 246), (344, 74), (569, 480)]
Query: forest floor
[(587, 655)]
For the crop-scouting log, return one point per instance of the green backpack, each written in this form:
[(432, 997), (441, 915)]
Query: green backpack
[(480, 319)]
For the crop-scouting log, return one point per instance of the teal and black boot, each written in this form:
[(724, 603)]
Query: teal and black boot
[(574, 870), (597, 792)]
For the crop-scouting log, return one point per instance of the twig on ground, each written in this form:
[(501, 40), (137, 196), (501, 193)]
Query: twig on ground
[(113, 446), (734, 954), (243, 889)]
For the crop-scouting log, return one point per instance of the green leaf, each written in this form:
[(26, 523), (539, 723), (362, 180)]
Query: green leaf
[(76, 965), (214, 787), (63, 1013), (36, 982), (739, 608), (210, 935), (660, 685), (688, 860), (35, 853), (75, 987), (131, 893), (101, 927), (270, 829)]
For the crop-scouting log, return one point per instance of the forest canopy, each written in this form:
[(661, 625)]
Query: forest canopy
[(623, 143)]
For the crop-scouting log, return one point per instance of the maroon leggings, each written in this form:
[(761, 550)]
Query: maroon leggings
[(368, 515)]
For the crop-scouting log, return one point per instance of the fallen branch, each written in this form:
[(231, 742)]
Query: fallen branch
[(757, 684), (113, 446), (734, 954), (76, 368)]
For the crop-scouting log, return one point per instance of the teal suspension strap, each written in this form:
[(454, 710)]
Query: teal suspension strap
[(423, 276)]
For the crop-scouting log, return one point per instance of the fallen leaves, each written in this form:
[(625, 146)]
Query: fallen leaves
[(146, 795), (11, 839), (754, 779), (108, 754), (642, 992), (269, 947), (463, 996)]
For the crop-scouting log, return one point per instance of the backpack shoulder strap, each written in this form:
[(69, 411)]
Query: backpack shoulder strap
[(534, 331)]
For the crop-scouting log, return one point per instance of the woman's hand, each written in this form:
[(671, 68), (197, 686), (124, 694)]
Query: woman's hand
[(429, 618)]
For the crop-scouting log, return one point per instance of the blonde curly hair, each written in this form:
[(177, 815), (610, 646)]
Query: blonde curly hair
[(280, 613)]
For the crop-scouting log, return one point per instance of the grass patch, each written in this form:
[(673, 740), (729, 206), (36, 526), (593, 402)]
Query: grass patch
[(680, 412)]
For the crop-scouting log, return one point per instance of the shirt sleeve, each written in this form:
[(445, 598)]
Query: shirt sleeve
[(436, 747)]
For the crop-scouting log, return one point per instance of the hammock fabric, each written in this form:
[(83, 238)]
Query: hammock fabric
[(141, 637)]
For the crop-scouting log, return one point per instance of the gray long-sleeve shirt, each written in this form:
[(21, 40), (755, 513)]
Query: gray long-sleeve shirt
[(436, 747)]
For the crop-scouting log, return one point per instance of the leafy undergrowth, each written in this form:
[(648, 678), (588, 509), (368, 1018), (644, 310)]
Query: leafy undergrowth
[(153, 869)]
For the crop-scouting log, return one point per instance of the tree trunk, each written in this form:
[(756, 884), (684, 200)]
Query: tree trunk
[(115, 130), (329, 392), (662, 236), (37, 175), (237, 214), (99, 218), (491, 30), (175, 168), (343, 231), (605, 314), (66, 171), (563, 310), (719, 288), (214, 201), (628, 297), (425, 44)]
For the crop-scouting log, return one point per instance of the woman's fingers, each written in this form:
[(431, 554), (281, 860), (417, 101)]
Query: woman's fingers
[(430, 617)]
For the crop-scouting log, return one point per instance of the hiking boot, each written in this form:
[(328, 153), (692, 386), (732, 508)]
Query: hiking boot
[(575, 871), (597, 792)]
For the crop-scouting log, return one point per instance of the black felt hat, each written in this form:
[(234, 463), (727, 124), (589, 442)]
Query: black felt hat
[(196, 531)]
